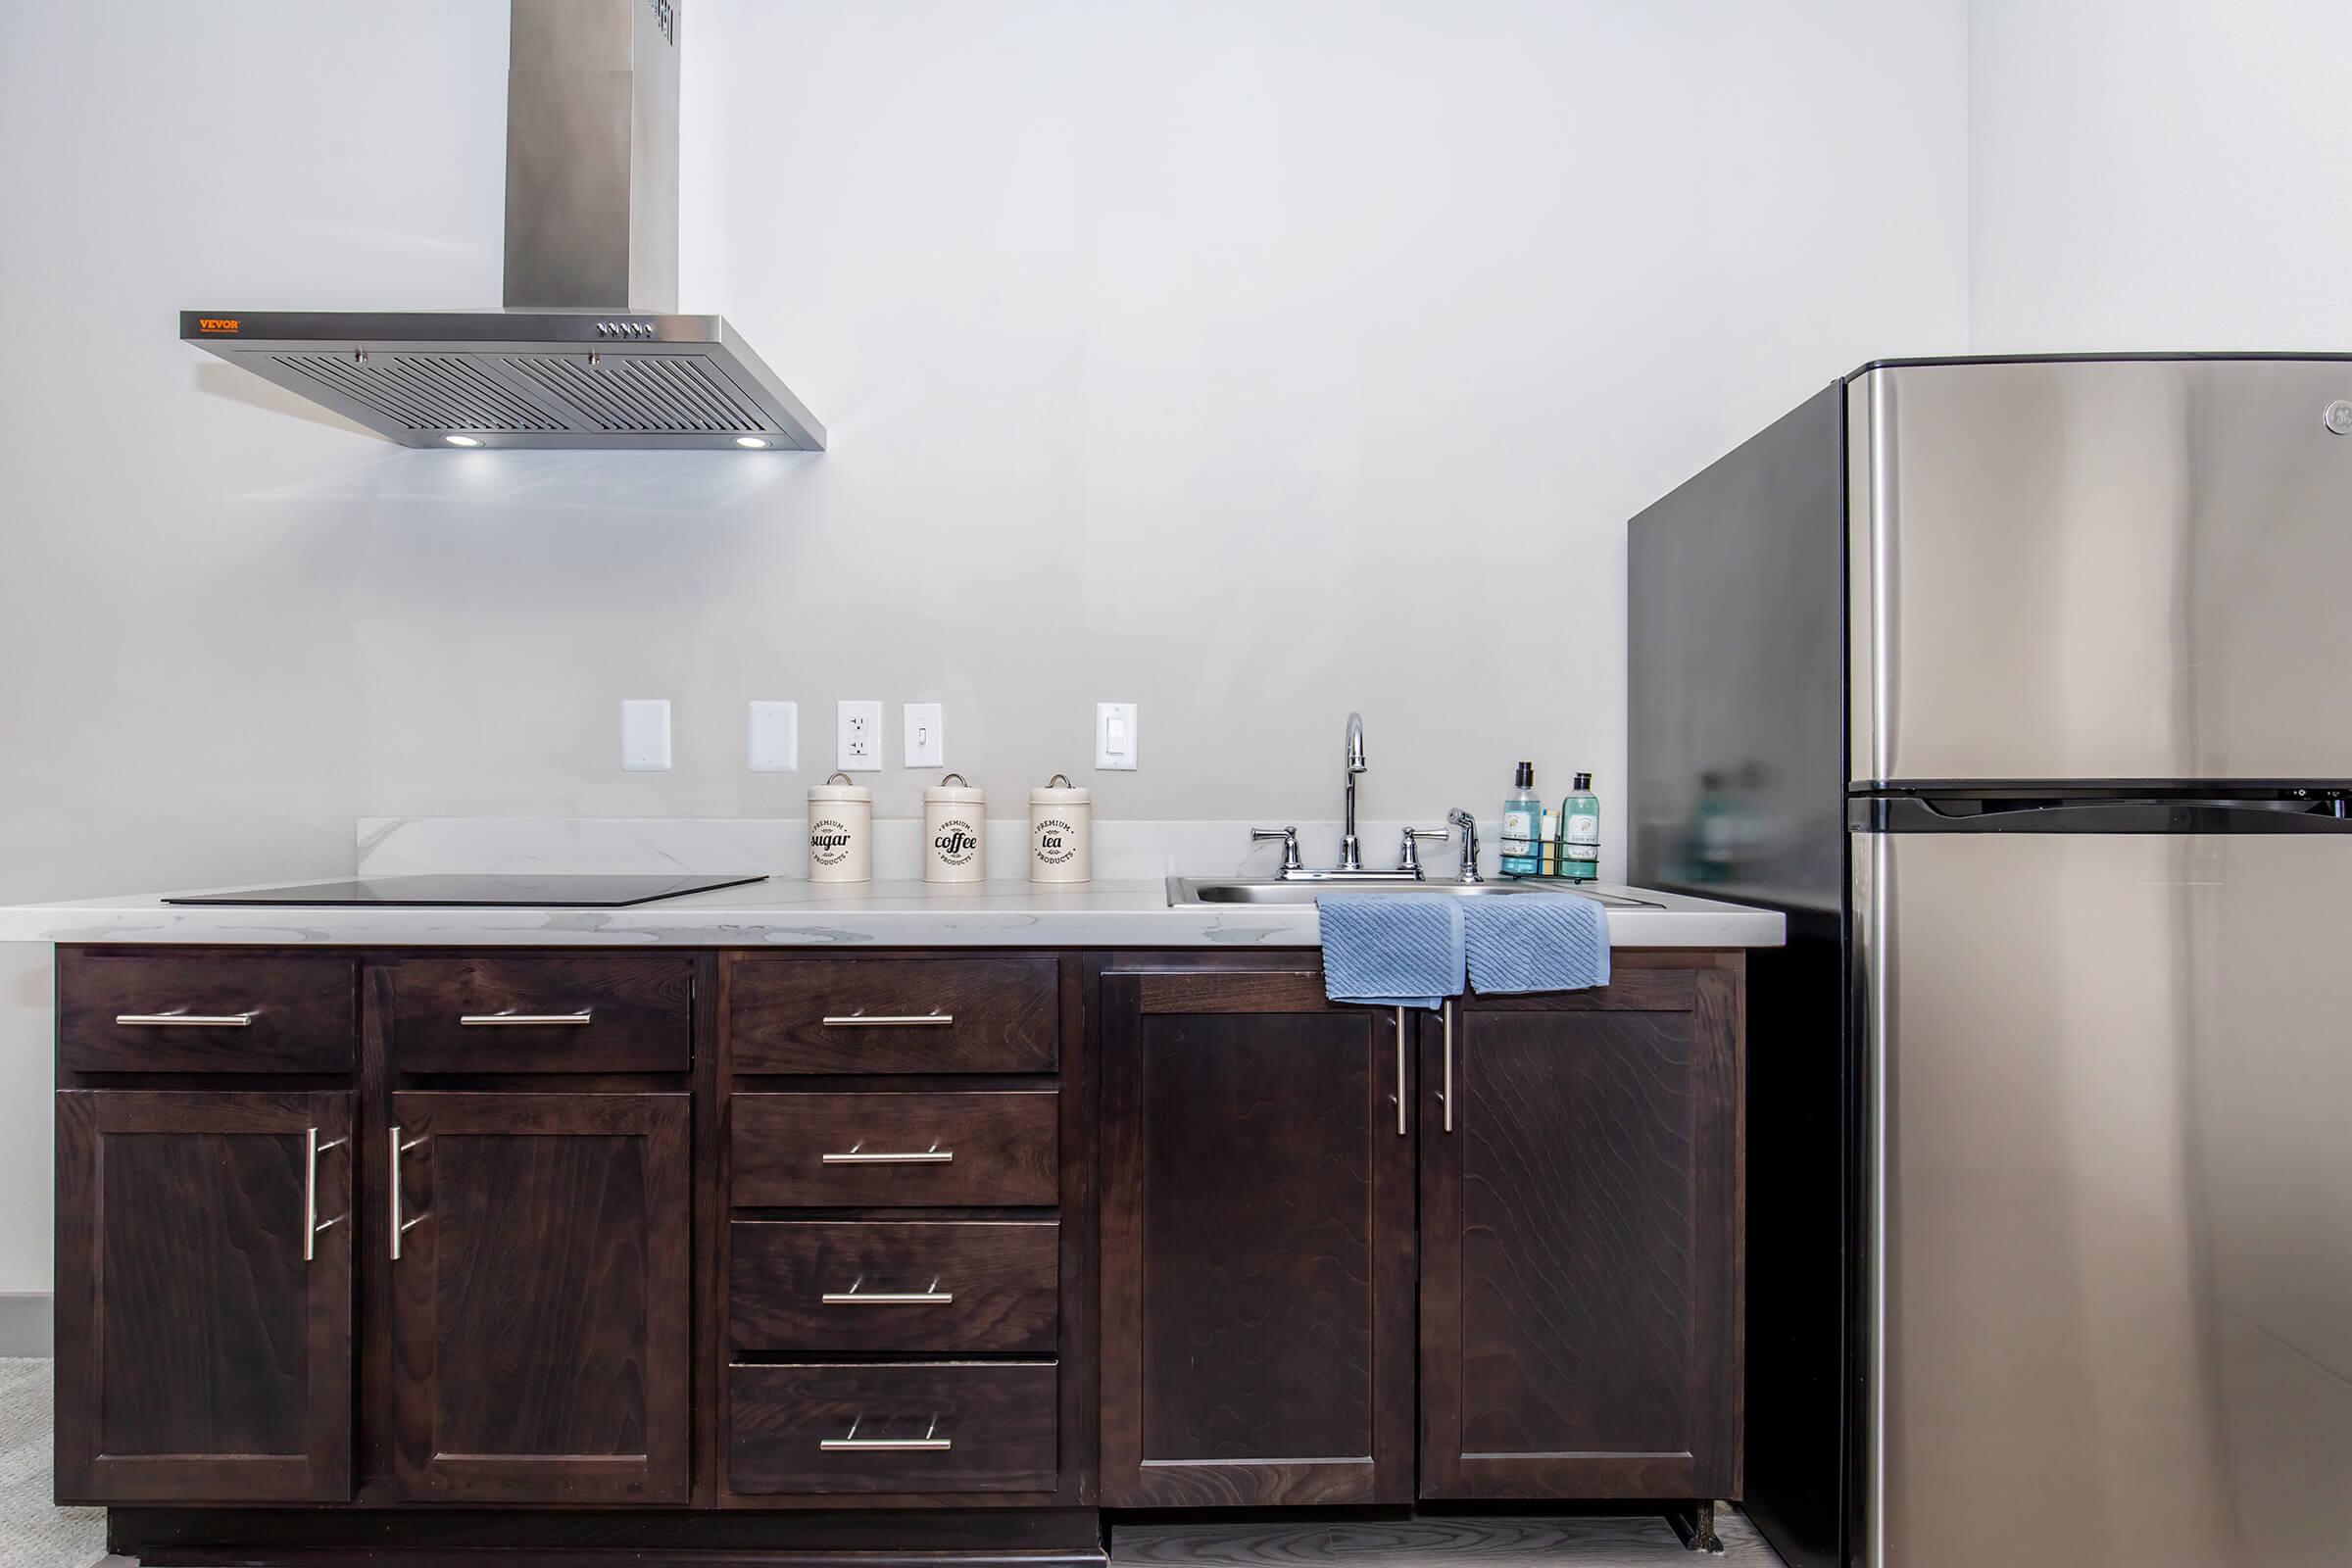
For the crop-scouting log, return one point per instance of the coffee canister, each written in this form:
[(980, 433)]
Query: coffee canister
[(841, 831), (1060, 832), (955, 831)]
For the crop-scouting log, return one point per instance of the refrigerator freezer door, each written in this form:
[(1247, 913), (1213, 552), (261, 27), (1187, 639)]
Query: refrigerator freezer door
[(2110, 1296), (2100, 570)]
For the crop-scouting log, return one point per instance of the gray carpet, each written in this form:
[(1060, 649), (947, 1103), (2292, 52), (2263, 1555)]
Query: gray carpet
[(33, 1532)]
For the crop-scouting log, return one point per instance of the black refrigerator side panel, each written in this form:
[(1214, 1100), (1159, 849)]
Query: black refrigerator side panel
[(1736, 660), (1736, 776)]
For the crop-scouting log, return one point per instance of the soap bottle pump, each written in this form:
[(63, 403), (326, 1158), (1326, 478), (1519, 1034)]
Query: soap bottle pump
[(1521, 812)]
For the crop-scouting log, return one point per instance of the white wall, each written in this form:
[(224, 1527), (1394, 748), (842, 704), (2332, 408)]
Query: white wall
[(1250, 361), (2159, 174)]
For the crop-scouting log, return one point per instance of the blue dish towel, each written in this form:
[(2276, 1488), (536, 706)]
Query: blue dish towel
[(1538, 942), (1395, 948)]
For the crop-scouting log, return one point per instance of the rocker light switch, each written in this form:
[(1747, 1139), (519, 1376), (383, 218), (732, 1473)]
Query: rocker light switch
[(1114, 736)]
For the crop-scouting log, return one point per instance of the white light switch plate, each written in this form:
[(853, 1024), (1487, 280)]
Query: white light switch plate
[(1114, 736), (926, 742), (858, 737), (774, 739), (645, 734)]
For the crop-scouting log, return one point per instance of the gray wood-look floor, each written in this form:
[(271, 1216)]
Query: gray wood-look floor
[(1489, 1541)]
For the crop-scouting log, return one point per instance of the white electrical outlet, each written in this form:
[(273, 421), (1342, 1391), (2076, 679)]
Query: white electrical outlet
[(774, 738), (645, 734), (1114, 736), (858, 737), (926, 742)]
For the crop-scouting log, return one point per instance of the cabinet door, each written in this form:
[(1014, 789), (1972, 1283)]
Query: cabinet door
[(203, 1297), (1257, 1243), (1579, 1242), (539, 1296)]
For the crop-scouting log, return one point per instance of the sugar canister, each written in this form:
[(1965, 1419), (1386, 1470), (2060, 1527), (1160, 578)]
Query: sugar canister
[(955, 831), (841, 831), (1060, 832)]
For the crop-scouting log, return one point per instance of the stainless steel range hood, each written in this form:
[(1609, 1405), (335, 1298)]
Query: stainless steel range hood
[(589, 352)]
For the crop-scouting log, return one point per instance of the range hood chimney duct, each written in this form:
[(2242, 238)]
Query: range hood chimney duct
[(592, 156)]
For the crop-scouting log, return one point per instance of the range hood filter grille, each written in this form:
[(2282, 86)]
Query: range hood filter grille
[(424, 392), (503, 378), (668, 393)]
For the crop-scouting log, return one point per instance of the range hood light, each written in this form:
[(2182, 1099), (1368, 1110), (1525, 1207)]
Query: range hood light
[(462, 440), (755, 443)]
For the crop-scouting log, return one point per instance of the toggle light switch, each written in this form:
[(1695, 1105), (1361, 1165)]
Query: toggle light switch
[(926, 744)]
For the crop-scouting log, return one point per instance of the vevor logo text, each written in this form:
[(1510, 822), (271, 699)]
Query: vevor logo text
[(216, 324)]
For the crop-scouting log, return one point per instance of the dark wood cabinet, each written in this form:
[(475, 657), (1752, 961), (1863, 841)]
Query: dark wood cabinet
[(540, 1297), (1258, 1212), (595, 1012), (204, 1296), (1580, 1240), (247, 1013), (643, 1244)]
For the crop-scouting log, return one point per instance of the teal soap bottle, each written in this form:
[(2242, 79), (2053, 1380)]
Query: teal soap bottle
[(1579, 832), (1522, 816)]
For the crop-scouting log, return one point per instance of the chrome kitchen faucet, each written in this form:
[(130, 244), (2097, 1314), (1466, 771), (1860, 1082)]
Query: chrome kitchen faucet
[(1351, 851)]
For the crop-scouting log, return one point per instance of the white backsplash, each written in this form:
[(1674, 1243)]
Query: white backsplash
[(1124, 851)]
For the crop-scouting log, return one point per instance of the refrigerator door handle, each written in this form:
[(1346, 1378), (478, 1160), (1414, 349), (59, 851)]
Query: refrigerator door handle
[(2308, 811)]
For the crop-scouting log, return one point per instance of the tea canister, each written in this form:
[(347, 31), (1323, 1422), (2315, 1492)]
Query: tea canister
[(1060, 832), (955, 831), (841, 831)]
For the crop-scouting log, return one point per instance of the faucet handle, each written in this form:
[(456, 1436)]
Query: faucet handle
[(1290, 846), (1408, 854), (1469, 826)]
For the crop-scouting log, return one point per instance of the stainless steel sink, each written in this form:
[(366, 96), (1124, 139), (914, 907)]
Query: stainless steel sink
[(1214, 889)]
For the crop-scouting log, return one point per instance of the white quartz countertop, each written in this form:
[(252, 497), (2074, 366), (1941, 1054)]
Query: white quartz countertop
[(783, 913)]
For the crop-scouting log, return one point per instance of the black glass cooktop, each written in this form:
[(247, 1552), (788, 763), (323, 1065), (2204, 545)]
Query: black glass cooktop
[(483, 891)]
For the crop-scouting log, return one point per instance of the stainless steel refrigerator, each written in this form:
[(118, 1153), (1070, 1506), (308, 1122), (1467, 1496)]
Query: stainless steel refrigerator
[(2024, 686)]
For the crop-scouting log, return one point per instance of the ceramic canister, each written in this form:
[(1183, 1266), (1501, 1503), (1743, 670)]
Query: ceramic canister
[(841, 831), (955, 832), (1060, 832)]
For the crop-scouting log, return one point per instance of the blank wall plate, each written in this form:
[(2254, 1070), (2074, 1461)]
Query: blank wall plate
[(645, 734), (1114, 736), (926, 741), (774, 741), (858, 737)]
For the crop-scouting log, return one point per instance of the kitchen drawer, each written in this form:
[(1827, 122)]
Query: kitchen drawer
[(881, 1015), (892, 1151), (593, 1013), (912, 1427), (176, 1011), (861, 1285)]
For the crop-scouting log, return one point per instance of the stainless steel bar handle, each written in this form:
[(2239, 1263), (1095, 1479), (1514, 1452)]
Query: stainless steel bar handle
[(524, 1020), (1448, 1054), (934, 1156), (891, 1020), (184, 1019), (1401, 1132), (311, 1148), (929, 1442), (933, 1296), (402, 1227)]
